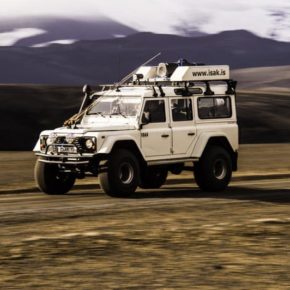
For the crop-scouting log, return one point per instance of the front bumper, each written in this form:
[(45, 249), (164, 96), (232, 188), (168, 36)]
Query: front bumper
[(78, 164), (65, 159), (70, 154)]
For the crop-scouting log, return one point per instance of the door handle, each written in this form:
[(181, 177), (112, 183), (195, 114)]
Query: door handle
[(164, 135), (191, 134)]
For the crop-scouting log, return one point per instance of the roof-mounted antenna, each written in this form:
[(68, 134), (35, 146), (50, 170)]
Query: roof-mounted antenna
[(127, 77)]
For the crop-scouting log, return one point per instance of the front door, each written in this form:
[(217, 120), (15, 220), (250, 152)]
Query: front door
[(156, 135)]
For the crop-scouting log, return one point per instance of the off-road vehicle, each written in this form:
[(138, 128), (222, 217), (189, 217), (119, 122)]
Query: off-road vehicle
[(166, 118)]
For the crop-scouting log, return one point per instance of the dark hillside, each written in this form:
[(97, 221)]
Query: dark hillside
[(26, 110)]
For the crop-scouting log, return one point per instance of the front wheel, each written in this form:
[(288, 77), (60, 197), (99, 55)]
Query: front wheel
[(120, 179), (51, 180), (213, 171)]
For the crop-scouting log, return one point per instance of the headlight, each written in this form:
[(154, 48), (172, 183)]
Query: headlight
[(70, 138), (90, 144), (49, 141)]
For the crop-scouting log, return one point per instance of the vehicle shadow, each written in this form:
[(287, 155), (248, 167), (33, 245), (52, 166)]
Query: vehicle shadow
[(233, 192)]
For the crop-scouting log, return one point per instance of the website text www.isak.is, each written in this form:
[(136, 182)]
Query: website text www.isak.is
[(210, 72)]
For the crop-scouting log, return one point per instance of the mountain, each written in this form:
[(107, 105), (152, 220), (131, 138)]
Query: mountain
[(60, 28), (108, 60)]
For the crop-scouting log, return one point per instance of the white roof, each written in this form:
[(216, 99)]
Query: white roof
[(148, 72), (201, 73), (186, 73)]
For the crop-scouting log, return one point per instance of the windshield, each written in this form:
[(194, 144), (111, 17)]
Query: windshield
[(125, 106)]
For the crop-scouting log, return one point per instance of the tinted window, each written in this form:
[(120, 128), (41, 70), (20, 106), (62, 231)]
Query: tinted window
[(181, 109), (214, 107), (156, 110)]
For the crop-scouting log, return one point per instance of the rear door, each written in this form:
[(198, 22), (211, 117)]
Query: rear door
[(182, 124)]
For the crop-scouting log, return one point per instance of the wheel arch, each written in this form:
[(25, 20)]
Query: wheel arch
[(127, 144), (219, 140)]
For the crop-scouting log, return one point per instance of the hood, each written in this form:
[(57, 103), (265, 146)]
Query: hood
[(107, 123)]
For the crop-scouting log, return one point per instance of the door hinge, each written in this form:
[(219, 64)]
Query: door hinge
[(171, 150), (144, 134)]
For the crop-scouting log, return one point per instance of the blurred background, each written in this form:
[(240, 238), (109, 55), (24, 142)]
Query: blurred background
[(48, 50)]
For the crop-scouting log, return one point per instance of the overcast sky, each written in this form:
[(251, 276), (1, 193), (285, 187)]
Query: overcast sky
[(167, 16)]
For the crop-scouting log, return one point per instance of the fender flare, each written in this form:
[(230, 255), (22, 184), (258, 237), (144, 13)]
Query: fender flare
[(203, 140), (110, 142)]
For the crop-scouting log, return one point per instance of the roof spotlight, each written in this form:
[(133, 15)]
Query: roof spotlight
[(166, 69)]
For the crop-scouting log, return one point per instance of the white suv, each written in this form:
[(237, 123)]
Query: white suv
[(169, 118)]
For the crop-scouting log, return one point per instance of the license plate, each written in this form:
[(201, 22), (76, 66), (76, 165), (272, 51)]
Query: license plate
[(64, 149)]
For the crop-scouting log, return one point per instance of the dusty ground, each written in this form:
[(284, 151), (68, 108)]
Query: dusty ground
[(16, 168), (173, 238)]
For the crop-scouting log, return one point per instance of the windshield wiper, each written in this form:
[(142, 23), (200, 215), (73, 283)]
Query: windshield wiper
[(98, 113), (118, 113)]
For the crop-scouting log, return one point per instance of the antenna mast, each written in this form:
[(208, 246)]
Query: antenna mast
[(127, 77)]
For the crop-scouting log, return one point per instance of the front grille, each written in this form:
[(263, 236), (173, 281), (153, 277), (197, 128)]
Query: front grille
[(79, 142), (60, 140)]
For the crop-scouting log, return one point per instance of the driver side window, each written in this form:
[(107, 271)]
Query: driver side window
[(154, 111)]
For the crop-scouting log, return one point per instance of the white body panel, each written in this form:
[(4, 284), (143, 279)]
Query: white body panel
[(148, 72), (156, 141), (183, 136)]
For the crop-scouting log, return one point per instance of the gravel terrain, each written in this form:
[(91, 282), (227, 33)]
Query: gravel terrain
[(176, 237)]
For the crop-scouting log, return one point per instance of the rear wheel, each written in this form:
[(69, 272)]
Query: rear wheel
[(214, 170), (51, 180), (121, 176), (153, 177)]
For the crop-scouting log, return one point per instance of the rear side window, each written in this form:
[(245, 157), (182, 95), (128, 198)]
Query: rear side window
[(181, 109), (214, 107)]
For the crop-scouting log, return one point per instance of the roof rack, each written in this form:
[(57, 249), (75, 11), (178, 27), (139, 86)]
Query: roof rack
[(182, 74)]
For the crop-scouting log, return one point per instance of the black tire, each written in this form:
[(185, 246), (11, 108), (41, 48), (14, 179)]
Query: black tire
[(153, 177), (50, 180), (213, 171), (121, 177)]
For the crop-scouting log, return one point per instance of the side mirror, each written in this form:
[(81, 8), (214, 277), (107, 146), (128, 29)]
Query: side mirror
[(146, 117), (87, 89)]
